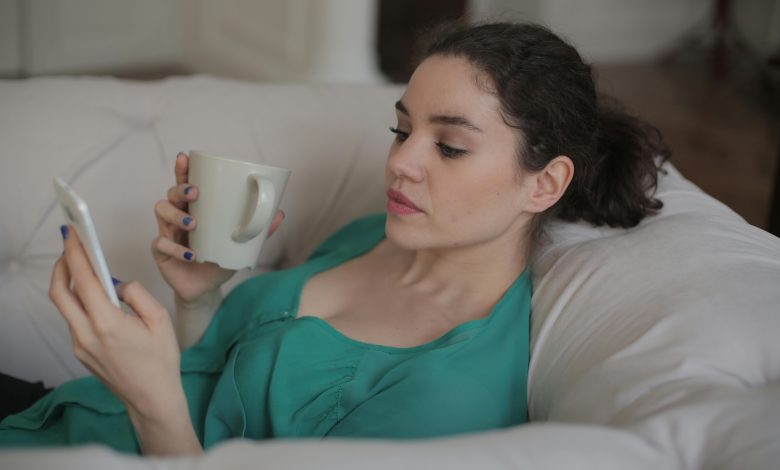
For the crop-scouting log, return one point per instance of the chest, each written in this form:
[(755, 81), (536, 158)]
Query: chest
[(362, 303), (333, 387)]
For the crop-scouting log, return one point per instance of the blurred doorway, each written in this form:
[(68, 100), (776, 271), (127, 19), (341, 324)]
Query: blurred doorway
[(401, 22)]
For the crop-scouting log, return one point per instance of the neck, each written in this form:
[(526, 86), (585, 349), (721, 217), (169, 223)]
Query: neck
[(480, 271)]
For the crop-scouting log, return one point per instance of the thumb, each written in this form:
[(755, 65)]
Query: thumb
[(141, 301)]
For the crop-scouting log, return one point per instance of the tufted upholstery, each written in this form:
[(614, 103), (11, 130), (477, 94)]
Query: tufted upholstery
[(653, 347), (115, 143)]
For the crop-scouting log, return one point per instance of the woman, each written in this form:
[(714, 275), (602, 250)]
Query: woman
[(412, 323)]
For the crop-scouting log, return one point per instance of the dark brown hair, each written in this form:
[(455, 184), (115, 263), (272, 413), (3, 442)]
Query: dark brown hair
[(548, 93)]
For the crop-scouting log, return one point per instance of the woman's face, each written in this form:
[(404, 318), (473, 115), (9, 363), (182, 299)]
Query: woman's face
[(454, 160)]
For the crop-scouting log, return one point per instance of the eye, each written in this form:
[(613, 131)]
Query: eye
[(400, 135), (450, 152)]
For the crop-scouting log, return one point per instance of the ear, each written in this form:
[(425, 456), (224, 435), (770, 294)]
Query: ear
[(549, 184)]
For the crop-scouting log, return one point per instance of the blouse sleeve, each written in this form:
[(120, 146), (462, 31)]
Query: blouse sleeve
[(344, 237)]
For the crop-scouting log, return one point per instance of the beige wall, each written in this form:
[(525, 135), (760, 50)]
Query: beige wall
[(330, 40), (324, 40), (10, 46), (71, 36), (306, 40), (636, 30)]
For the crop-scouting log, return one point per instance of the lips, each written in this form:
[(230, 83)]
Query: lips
[(398, 203)]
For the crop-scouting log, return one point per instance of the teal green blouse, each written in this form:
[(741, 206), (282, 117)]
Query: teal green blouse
[(260, 372)]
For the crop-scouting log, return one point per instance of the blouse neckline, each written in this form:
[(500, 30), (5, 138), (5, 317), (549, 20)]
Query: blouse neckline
[(369, 242)]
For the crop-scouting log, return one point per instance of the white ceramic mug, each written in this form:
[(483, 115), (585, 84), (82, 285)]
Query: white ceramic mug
[(235, 207)]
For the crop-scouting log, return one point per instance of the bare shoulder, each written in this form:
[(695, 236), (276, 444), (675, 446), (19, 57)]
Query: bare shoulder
[(328, 292)]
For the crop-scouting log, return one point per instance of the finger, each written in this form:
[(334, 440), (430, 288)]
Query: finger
[(82, 353), (182, 167), (162, 246), (182, 194), (278, 218), (69, 305), (167, 229), (143, 303), (169, 213), (99, 308)]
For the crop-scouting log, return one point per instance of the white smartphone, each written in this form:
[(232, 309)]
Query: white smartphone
[(77, 215)]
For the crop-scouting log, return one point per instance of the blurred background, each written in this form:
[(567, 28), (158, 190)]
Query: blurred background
[(705, 72)]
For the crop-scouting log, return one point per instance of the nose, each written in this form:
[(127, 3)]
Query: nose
[(407, 160)]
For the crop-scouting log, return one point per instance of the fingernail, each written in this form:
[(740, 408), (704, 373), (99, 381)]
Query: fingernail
[(187, 190), (188, 256), (283, 214), (187, 220), (179, 155), (115, 281), (64, 230)]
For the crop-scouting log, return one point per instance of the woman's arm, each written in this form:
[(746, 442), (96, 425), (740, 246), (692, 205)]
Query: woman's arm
[(135, 356), (166, 429), (192, 318), (195, 284)]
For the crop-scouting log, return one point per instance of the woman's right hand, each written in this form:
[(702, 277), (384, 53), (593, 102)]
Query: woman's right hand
[(189, 280)]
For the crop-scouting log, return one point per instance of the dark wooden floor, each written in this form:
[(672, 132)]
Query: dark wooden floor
[(721, 136)]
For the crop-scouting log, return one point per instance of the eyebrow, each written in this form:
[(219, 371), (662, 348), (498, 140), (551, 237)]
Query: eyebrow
[(441, 119)]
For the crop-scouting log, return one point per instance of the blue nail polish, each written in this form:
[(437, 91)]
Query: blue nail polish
[(187, 190), (188, 256), (115, 281), (187, 220), (64, 230)]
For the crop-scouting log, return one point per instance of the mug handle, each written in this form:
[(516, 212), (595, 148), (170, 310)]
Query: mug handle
[(261, 214)]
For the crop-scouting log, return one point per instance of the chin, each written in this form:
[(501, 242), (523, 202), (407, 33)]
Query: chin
[(404, 235)]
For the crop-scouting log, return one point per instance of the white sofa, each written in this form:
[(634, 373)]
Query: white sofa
[(654, 347)]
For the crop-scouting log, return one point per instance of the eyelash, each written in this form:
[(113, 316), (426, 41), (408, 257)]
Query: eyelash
[(445, 150)]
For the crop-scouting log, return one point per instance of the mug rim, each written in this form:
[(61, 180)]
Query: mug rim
[(233, 160)]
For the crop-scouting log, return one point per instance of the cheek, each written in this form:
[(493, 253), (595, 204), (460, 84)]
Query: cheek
[(479, 197)]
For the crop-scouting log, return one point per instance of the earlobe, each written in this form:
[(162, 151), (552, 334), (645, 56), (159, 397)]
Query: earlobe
[(551, 183)]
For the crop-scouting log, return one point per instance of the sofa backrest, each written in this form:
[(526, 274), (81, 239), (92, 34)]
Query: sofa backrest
[(116, 141)]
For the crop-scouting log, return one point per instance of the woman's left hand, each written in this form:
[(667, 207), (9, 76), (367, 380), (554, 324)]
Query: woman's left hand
[(135, 356)]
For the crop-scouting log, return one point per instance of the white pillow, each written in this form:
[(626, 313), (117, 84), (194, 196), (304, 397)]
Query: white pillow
[(627, 323)]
